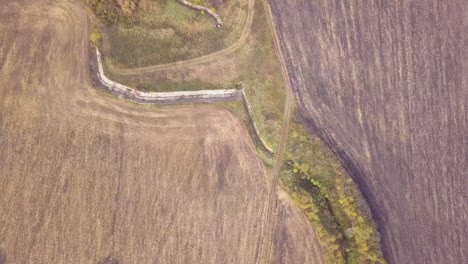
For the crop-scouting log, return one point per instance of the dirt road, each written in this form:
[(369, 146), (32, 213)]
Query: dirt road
[(269, 220), (385, 83), (89, 178)]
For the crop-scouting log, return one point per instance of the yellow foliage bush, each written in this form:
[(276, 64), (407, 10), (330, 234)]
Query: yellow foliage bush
[(95, 37)]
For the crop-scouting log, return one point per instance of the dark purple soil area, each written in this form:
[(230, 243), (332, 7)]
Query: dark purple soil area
[(217, 3), (385, 83)]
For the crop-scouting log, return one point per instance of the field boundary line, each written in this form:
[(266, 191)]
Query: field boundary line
[(248, 109), (199, 60), (179, 97), (270, 221)]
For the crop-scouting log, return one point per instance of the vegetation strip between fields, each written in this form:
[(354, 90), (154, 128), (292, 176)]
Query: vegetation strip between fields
[(270, 223), (180, 97), (202, 59), (359, 247)]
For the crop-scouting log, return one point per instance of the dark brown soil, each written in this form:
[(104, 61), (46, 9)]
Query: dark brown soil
[(386, 84)]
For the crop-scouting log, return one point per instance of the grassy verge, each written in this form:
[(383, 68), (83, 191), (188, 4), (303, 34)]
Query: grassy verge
[(144, 32), (253, 66), (177, 86), (311, 174)]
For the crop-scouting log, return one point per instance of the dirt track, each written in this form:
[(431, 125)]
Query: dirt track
[(177, 97), (270, 220), (88, 178), (199, 60), (385, 83)]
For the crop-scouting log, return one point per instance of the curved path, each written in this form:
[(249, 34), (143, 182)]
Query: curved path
[(201, 96), (180, 97), (195, 61)]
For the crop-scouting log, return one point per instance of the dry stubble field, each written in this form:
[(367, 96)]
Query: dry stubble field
[(88, 178), (385, 82)]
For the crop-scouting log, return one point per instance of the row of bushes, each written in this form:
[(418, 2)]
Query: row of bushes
[(330, 199)]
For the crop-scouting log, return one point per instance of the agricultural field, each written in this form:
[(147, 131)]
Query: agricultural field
[(384, 84), (310, 173), (89, 178), (151, 32), (252, 66)]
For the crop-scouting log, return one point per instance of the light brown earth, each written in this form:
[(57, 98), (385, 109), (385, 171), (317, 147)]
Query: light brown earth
[(386, 84), (88, 178)]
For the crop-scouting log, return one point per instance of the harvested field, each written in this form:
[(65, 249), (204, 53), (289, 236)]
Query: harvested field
[(385, 83), (88, 178)]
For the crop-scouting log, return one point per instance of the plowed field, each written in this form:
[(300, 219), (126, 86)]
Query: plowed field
[(385, 83)]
